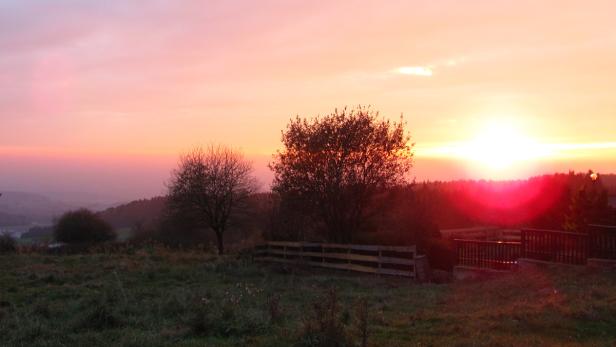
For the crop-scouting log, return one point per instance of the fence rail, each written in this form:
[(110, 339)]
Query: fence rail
[(555, 246), (602, 241), (497, 255), (539, 244), (382, 260)]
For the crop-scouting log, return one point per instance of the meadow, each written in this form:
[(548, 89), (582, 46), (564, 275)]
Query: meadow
[(155, 297)]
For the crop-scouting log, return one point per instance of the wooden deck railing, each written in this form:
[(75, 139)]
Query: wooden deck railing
[(382, 260), (555, 246), (497, 255), (602, 240)]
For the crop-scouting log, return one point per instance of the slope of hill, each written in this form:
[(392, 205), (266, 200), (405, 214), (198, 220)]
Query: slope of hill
[(8, 219), (22, 208), (143, 212), (32, 208)]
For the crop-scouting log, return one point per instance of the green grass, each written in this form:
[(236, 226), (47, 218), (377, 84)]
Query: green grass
[(160, 298)]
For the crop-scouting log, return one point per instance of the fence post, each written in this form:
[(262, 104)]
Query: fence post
[(348, 260), (380, 255), (523, 243), (592, 235), (322, 253), (458, 257)]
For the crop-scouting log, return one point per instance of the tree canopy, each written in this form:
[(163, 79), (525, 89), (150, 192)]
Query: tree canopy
[(82, 226), (209, 186), (335, 164)]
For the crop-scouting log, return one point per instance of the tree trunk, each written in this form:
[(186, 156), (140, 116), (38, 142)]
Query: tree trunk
[(221, 246)]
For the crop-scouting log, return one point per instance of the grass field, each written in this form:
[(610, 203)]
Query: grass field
[(154, 297)]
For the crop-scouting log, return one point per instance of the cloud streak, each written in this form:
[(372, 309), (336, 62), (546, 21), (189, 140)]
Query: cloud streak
[(415, 71)]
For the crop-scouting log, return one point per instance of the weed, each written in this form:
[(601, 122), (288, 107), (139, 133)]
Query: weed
[(325, 326), (273, 308)]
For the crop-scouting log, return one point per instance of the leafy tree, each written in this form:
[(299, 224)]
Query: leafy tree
[(589, 205), (334, 165), (82, 226), (7, 243), (209, 186)]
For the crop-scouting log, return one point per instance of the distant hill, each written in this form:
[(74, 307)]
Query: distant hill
[(7, 219), (144, 212), (22, 208), (30, 208)]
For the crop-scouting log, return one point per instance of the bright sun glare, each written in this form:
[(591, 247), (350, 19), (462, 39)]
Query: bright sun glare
[(500, 145)]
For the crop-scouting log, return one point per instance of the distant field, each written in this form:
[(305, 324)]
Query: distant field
[(159, 298)]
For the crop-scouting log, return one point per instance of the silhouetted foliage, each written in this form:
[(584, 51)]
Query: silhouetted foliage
[(82, 226), (326, 325), (540, 202), (143, 212), (409, 218), (7, 243), (284, 220), (589, 205), (333, 166), (209, 188)]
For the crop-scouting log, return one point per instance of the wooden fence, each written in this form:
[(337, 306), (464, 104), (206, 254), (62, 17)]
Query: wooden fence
[(382, 260), (602, 240), (555, 246), (483, 233), (497, 255), (547, 245)]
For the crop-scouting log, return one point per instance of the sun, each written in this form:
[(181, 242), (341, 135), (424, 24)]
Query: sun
[(500, 145)]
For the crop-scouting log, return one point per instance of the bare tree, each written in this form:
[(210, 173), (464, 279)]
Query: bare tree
[(335, 165), (212, 185)]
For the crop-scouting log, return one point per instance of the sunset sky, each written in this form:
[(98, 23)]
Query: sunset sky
[(102, 96)]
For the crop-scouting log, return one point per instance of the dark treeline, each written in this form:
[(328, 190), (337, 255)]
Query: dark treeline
[(556, 201), (541, 202)]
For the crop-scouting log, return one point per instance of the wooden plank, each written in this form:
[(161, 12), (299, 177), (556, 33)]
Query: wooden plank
[(278, 260), (344, 266), (344, 256), (373, 248), (487, 242), (548, 231), (283, 252), (394, 272), (284, 244), (345, 246), (397, 261)]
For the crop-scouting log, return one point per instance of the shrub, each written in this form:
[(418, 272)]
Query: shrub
[(326, 325), (7, 243), (273, 308), (441, 254), (82, 226), (361, 313)]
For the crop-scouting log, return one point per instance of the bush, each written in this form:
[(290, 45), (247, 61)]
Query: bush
[(326, 325), (82, 226), (441, 253), (7, 243)]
